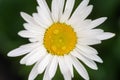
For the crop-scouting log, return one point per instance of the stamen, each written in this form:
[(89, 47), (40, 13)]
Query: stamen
[(60, 39)]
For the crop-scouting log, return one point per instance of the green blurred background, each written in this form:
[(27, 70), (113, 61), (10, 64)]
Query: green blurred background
[(11, 23)]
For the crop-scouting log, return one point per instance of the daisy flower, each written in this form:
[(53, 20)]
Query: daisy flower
[(61, 38)]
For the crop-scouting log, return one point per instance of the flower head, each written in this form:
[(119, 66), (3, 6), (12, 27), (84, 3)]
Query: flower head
[(60, 37)]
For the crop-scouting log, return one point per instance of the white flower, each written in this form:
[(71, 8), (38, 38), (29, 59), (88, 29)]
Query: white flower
[(59, 38)]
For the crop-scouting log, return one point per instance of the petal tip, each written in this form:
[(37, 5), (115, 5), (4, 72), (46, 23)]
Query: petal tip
[(113, 34), (11, 54), (22, 13), (100, 61), (19, 33), (104, 18), (96, 68)]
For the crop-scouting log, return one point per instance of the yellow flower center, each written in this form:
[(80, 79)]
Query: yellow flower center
[(60, 39)]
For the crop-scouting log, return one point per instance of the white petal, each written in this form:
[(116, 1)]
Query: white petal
[(37, 54), (81, 16), (69, 63), (88, 41), (53, 67), (46, 74), (61, 6), (97, 22), (77, 13), (43, 64), (94, 32), (82, 25), (57, 9), (34, 29), (27, 34), (31, 45), (86, 12), (62, 65), (28, 18), (33, 58), (64, 69), (43, 5), (82, 5), (33, 74), (89, 37), (33, 40), (67, 76), (94, 57), (87, 61), (18, 52), (68, 10), (24, 59), (24, 49), (106, 35), (42, 20), (87, 49), (80, 68), (37, 39), (45, 15)]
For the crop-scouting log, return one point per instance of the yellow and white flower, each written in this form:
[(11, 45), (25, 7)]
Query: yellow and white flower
[(59, 37)]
